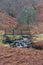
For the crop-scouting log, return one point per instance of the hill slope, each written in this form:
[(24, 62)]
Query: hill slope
[(17, 56), (6, 21), (16, 5)]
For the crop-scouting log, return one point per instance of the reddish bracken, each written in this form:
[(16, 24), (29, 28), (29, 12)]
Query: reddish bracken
[(20, 56), (6, 21)]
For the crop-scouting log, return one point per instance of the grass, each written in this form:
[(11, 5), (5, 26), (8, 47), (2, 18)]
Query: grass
[(38, 38), (5, 45), (35, 39), (11, 37), (14, 36)]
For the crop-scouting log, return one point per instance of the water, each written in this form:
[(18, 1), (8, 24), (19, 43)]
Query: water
[(18, 43)]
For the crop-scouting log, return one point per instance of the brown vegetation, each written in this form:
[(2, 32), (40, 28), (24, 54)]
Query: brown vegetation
[(17, 56), (6, 21), (38, 45)]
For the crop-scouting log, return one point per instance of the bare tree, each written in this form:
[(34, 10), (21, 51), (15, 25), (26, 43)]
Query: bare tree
[(34, 3), (10, 10)]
